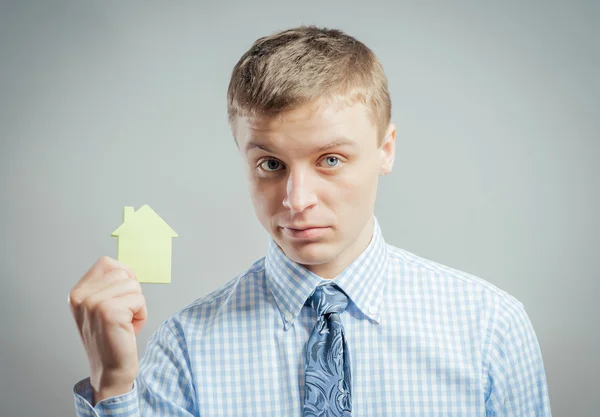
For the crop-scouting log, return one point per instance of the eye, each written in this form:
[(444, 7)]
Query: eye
[(332, 161), (270, 165)]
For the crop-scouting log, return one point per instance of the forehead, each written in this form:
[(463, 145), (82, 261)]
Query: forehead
[(312, 124)]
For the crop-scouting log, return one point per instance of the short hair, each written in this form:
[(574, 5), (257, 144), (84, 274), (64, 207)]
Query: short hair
[(296, 66)]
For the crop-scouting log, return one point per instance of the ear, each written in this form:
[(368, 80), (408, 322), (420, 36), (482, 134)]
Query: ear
[(388, 150)]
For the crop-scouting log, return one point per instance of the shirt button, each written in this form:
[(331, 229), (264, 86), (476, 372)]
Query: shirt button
[(372, 310), (288, 317)]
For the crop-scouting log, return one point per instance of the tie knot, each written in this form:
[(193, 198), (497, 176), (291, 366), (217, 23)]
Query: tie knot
[(328, 299)]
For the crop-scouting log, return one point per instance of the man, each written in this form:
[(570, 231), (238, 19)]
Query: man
[(333, 321)]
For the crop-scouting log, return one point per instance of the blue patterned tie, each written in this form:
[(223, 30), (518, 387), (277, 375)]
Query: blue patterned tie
[(327, 373)]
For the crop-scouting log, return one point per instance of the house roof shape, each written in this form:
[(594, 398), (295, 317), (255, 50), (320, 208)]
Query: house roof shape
[(144, 220)]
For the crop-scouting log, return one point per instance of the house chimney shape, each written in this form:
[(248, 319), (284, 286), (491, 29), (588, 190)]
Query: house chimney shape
[(127, 212)]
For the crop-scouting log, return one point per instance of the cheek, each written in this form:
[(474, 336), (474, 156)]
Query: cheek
[(263, 198), (355, 192)]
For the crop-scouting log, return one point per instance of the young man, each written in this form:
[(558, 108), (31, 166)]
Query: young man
[(333, 321)]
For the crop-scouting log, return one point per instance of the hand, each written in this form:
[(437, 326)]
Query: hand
[(110, 310)]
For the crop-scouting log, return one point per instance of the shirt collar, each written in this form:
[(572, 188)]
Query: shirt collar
[(363, 280)]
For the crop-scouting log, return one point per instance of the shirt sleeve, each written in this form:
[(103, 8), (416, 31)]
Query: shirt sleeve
[(516, 384), (163, 387)]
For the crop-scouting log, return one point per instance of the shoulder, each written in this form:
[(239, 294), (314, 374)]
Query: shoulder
[(497, 316), (452, 279), (210, 305)]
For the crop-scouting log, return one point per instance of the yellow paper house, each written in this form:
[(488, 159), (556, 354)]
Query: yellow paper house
[(144, 243)]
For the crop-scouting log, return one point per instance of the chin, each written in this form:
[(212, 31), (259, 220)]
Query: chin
[(307, 253)]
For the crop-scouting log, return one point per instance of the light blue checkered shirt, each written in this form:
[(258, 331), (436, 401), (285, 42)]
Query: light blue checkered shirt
[(424, 340)]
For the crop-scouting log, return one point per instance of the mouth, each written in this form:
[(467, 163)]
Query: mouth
[(307, 232)]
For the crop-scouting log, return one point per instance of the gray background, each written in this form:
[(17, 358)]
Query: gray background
[(107, 104)]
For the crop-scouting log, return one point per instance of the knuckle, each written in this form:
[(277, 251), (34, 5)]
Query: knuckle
[(137, 287), (121, 274), (75, 298), (104, 310), (139, 298), (130, 287)]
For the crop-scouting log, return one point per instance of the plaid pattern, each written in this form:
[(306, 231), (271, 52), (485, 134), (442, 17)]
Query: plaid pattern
[(425, 340)]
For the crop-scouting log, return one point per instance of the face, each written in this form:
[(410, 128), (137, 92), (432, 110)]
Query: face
[(313, 174)]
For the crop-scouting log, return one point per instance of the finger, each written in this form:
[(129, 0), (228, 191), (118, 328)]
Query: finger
[(86, 289), (124, 309), (102, 266), (111, 263), (140, 316), (114, 275), (114, 289)]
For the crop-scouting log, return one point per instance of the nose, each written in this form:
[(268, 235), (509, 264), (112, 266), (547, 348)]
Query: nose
[(300, 192)]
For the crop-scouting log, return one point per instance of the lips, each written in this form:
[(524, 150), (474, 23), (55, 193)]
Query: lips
[(305, 232), (302, 227)]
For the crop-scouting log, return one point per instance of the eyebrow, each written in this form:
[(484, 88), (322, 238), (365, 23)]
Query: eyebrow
[(337, 142)]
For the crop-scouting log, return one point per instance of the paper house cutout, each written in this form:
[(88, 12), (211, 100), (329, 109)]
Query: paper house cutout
[(144, 243)]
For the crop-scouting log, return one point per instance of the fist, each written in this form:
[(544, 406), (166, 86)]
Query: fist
[(110, 310)]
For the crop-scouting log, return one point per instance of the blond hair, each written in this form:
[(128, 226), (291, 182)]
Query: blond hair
[(296, 66)]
